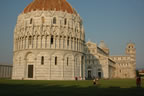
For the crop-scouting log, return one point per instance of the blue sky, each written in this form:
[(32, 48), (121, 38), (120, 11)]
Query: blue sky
[(114, 21)]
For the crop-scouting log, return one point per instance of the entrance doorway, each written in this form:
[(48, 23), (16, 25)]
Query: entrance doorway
[(99, 75), (30, 71), (89, 74)]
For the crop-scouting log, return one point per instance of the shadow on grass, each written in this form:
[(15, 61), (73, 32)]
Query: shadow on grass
[(55, 90)]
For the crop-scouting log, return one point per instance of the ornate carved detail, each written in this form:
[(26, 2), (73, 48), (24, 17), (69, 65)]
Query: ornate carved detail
[(37, 29)]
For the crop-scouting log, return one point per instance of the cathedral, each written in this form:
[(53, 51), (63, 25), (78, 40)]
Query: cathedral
[(49, 44), (99, 62)]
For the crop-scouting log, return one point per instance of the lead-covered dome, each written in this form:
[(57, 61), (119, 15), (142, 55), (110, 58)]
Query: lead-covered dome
[(58, 5)]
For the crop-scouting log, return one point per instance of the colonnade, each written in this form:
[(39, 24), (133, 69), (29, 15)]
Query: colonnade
[(49, 41)]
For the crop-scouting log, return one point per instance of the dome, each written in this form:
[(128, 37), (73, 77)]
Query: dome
[(58, 5)]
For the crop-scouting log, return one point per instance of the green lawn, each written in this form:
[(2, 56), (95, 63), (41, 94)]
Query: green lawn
[(113, 87)]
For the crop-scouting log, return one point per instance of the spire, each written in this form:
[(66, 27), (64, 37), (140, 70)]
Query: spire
[(104, 47), (102, 44)]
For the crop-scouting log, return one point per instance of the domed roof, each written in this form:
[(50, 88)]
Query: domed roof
[(58, 5)]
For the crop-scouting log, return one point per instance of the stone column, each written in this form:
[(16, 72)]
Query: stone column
[(19, 43), (62, 42), (39, 42), (34, 42), (73, 69), (22, 43), (55, 42), (29, 42), (58, 42), (76, 44), (80, 45), (80, 68), (60, 45), (66, 47), (50, 68), (43, 41), (70, 43), (26, 43), (25, 68), (63, 68), (48, 41), (84, 61), (34, 71), (74, 66)]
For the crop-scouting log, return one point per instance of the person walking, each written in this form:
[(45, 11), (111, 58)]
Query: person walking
[(94, 81), (138, 82), (97, 79)]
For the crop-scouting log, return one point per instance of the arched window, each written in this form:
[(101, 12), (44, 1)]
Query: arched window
[(54, 20), (82, 59), (65, 21), (51, 39), (30, 40), (67, 61), (55, 60), (43, 20), (42, 60), (31, 20), (68, 41)]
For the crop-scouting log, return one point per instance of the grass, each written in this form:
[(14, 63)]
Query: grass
[(115, 87)]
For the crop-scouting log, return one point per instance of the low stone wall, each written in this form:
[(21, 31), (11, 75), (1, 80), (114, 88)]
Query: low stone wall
[(5, 71)]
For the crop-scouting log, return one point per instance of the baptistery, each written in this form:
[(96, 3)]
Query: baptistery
[(49, 42)]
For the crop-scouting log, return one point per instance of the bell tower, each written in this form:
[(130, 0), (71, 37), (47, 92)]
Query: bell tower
[(131, 50)]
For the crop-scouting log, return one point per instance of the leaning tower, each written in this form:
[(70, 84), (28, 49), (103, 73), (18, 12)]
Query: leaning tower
[(131, 51), (49, 42)]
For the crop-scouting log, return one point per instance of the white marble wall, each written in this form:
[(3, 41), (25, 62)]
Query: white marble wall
[(126, 64), (35, 37), (98, 61), (5, 71)]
